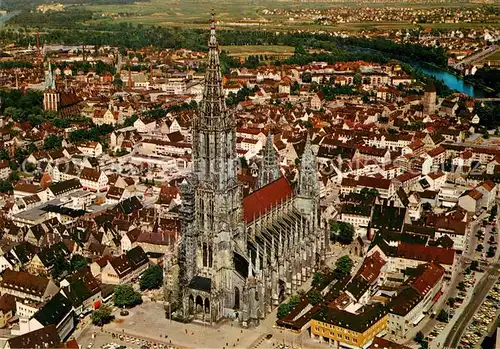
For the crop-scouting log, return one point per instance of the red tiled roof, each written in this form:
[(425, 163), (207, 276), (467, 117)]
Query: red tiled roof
[(371, 267), (263, 199), (371, 182), (426, 253), (436, 151), (428, 276)]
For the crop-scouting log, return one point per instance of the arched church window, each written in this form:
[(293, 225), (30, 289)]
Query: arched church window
[(205, 252)]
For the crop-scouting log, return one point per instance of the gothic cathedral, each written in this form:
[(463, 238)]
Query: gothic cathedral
[(240, 256)]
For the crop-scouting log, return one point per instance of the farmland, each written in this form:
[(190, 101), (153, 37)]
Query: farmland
[(251, 14)]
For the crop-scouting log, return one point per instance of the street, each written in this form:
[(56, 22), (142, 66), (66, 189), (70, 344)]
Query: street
[(481, 291)]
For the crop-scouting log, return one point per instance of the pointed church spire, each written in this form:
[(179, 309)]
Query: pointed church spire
[(269, 170), (213, 105), (308, 178), (50, 82)]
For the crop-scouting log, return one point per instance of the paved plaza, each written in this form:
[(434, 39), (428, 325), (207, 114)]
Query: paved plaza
[(147, 323)]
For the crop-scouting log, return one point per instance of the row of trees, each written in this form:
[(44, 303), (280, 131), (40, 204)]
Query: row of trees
[(139, 36)]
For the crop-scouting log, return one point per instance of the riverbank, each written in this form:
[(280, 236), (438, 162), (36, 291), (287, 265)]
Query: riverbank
[(469, 79)]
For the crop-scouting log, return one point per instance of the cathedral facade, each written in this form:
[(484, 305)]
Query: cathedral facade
[(240, 256)]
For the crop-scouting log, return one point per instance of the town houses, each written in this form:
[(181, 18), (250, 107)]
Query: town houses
[(406, 172)]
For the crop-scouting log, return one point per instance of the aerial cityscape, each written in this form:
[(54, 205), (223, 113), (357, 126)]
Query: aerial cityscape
[(249, 174)]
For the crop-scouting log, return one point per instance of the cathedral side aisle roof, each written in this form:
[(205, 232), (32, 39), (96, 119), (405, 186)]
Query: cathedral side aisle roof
[(265, 198)]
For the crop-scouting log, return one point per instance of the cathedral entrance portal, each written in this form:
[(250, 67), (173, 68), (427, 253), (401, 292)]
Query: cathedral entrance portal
[(199, 304)]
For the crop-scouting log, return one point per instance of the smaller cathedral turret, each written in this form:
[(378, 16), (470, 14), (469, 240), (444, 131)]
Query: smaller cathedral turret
[(269, 170), (308, 176)]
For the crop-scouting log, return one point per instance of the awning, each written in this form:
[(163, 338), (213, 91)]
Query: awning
[(436, 297), (418, 319)]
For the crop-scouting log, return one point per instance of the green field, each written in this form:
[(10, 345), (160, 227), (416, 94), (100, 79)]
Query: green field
[(256, 49), (244, 13)]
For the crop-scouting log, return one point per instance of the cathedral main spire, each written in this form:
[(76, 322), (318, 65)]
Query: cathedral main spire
[(214, 131), (213, 105), (269, 170)]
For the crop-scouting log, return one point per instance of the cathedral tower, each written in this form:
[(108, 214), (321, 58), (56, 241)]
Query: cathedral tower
[(308, 186), (269, 170), (217, 226)]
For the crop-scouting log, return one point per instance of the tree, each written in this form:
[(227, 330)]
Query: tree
[(479, 248), (283, 310), (5, 187), (52, 142), (317, 279), (493, 212), (344, 231), (61, 266), (126, 296), (474, 265), (101, 316), (29, 167), (442, 316), (343, 265), (366, 192), (130, 121), (461, 286), (118, 82), (315, 297), (451, 301), (357, 79), (152, 278), (491, 251), (294, 300), (306, 77), (78, 262), (419, 337)]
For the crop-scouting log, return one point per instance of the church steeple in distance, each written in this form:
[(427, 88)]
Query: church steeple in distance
[(50, 82), (269, 170)]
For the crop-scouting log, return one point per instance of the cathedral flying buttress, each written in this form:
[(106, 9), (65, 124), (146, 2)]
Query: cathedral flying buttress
[(241, 256)]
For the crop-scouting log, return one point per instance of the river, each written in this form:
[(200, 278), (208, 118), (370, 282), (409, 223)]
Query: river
[(454, 82)]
